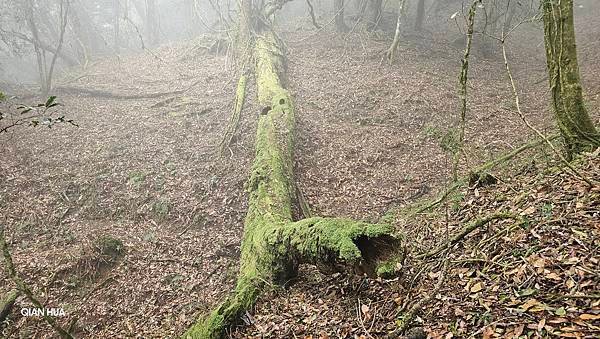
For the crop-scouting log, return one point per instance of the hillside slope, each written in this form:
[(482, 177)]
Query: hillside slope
[(535, 275)]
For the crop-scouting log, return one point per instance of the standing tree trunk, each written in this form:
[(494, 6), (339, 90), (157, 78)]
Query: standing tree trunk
[(338, 9), (573, 120), (390, 53), (85, 28), (191, 17), (64, 14), (41, 61), (246, 25), (463, 91), (420, 15), (81, 35), (375, 14), (45, 73), (152, 35), (116, 25)]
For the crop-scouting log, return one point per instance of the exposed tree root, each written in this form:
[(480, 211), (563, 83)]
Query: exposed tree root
[(274, 245)]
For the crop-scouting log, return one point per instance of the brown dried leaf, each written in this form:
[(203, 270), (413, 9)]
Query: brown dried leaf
[(587, 316), (476, 288)]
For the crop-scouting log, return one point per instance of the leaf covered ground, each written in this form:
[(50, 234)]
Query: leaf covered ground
[(538, 277), (142, 168)]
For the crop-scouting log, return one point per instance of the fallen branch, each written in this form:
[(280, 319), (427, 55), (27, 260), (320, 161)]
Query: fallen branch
[(441, 198), (406, 319), (504, 158), (488, 166), (466, 231), (111, 95), (24, 289)]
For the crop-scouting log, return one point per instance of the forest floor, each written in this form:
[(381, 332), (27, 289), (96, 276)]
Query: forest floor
[(145, 170)]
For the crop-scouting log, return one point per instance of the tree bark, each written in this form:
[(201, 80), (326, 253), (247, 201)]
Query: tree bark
[(463, 91), (246, 26), (573, 120), (64, 14), (81, 35)]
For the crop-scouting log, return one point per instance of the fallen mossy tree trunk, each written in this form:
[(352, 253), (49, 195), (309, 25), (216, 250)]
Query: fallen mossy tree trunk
[(274, 244)]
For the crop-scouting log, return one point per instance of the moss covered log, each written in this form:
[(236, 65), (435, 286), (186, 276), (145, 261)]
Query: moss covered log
[(274, 244)]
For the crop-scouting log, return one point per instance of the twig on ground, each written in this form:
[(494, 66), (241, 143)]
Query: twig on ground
[(466, 231), (99, 286), (23, 288), (407, 318), (359, 313)]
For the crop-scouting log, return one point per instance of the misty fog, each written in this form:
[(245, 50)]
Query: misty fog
[(249, 168)]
